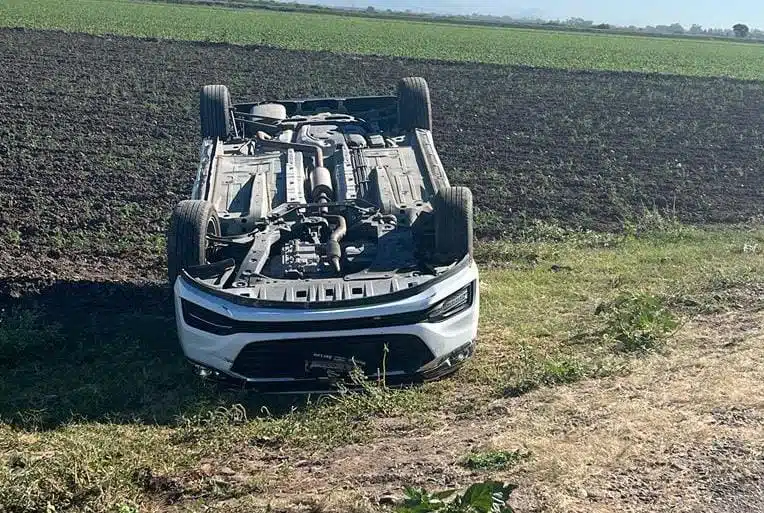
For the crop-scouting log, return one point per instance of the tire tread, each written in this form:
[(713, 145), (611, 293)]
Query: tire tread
[(414, 105), (187, 235), (214, 111), (454, 222)]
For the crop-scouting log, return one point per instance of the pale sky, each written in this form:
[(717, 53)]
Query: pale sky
[(709, 13)]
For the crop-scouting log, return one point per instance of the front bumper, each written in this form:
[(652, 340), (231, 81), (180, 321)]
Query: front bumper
[(270, 348)]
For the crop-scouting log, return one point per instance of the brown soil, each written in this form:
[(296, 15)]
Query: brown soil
[(99, 140)]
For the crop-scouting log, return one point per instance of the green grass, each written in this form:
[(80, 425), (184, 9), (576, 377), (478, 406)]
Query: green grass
[(102, 414), (307, 31), (494, 460), (540, 300), (637, 321), (486, 497)]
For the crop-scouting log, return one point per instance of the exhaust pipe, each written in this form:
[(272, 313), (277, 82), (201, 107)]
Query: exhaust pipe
[(321, 186), (316, 151), (333, 248), (321, 190)]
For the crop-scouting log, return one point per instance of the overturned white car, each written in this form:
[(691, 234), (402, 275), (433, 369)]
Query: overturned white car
[(323, 236)]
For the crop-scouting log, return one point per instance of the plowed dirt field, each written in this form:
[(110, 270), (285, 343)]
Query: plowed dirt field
[(99, 139)]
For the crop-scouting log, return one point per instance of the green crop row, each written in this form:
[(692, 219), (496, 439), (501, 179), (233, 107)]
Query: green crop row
[(424, 40)]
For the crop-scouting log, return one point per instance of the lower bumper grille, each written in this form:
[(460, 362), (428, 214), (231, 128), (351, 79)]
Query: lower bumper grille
[(312, 358)]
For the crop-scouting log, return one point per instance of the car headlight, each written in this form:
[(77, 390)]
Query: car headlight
[(453, 304)]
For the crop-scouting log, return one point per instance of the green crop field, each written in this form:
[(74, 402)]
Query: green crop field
[(305, 31)]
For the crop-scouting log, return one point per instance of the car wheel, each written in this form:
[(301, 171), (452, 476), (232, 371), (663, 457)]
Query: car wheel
[(215, 112), (270, 111), (453, 211), (414, 107), (190, 223)]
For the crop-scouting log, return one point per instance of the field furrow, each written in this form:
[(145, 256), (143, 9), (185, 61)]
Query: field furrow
[(92, 124)]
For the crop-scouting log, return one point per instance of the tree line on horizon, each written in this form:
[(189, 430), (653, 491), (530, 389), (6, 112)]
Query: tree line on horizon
[(739, 30)]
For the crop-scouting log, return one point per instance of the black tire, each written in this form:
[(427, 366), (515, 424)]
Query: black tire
[(215, 111), (190, 223), (453, 211), (414, 106)]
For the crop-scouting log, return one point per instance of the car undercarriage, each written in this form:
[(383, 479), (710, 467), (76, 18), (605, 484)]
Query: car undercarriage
[(321, 201), (322, 236)]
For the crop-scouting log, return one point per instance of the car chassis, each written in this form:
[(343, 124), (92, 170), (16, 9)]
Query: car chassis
[(323, 236)]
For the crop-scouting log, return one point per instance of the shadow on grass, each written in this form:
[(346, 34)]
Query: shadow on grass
[(105, 351)]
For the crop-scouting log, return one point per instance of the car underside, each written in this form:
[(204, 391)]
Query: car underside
[(334, 203), (327, 204)]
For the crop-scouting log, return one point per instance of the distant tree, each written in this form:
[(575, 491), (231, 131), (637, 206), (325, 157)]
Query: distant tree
[(740, 30), (603, 26), (676, 28), (579, 22), (371, 9), (696, 29)]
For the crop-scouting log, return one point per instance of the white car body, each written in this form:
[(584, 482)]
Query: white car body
[(326, 244), (450, 341)]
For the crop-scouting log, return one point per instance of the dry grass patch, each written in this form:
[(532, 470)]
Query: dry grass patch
[(660, 438), (605, 430), (681, 432)]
